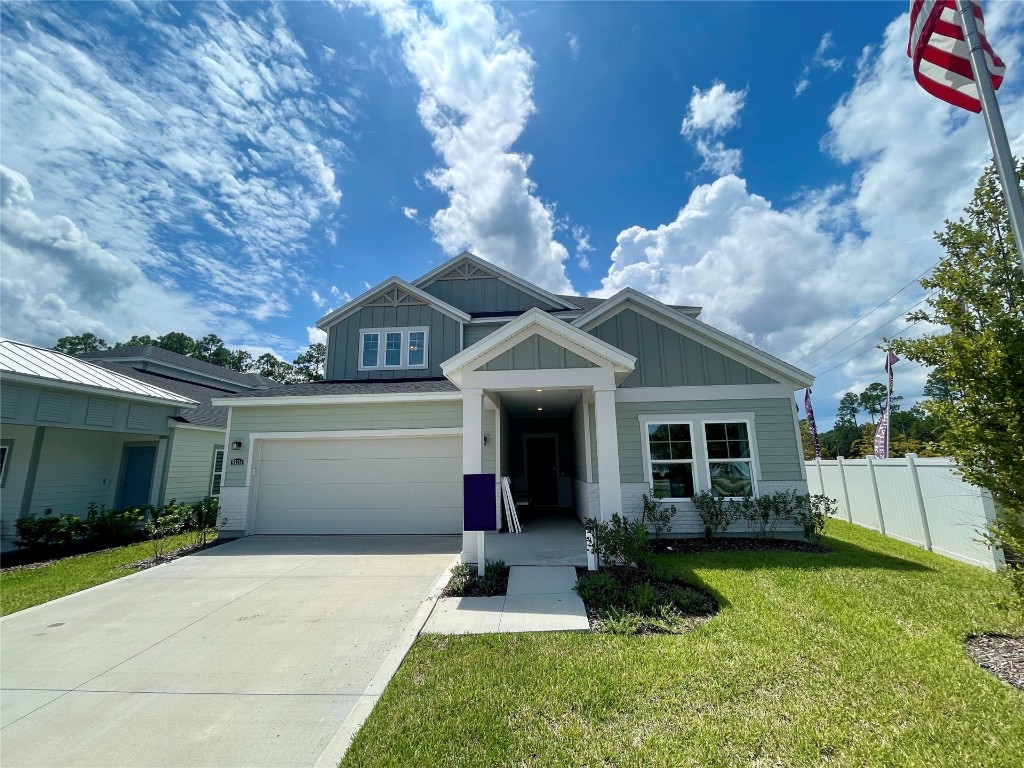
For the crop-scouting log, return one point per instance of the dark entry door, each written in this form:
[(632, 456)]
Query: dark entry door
[(542, 470), (138, 475)]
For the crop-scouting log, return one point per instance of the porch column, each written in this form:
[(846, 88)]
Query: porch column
[(606, 430), (472, 455)]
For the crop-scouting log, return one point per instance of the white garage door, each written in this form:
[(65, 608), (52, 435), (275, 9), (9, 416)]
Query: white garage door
[(360, 485)]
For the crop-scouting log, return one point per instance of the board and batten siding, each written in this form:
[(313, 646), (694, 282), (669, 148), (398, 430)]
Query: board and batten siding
[(665, 358), (321, 418), (536, 353), (191, 464), (445, 338), (779, 456), (483, 294)]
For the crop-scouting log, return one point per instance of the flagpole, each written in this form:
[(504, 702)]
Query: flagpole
[(994, 122)]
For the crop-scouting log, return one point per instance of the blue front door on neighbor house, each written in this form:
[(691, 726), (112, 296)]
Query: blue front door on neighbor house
[(137, 477)]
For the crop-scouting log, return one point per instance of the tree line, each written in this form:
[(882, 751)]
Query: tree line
[(308, 366)]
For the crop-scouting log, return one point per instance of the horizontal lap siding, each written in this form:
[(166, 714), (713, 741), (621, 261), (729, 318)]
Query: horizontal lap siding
[(343, 341), (77, 467), (778, 454), (191, 468), (313, 418), (668, 359)]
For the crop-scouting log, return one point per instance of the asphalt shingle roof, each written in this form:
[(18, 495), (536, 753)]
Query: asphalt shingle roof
[(151, 352), (203, 415), (362, 387)]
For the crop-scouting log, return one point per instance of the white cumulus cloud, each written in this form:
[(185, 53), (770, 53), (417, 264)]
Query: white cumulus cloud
[(710, 114)]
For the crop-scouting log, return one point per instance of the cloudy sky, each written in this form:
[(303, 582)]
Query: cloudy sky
[(241, 169)]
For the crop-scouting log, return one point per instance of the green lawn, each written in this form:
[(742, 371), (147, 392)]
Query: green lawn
[(24, 587), (850, 658)]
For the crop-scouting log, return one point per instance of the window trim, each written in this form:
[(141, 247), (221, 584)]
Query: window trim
[(213, 468), (649, 462), (403, 363), (7, 446), (701, 464)]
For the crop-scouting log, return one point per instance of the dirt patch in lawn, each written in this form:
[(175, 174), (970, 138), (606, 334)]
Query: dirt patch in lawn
[(1000, 655), (734, 544)]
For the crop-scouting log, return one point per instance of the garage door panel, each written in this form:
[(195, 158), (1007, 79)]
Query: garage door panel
[(354, 448), (322, 472), (360, 485)]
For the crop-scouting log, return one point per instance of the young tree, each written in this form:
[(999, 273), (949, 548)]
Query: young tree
[(872, 399), (78, 345), (309, 366), (849, 407), (979, 297)]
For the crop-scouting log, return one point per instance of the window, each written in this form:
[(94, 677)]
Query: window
[(729, 459), (401, 348), (5, 458), (671, 453), (218, 471)]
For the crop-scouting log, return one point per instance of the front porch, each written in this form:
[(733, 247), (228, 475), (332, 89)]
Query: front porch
[(553, 538)]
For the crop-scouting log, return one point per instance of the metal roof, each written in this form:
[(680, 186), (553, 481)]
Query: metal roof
[(24, 362)]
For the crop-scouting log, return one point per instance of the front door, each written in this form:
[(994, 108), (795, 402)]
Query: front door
[(542, 470), (137, 477)]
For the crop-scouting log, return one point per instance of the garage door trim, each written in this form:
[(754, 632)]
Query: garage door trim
[(257, 438)]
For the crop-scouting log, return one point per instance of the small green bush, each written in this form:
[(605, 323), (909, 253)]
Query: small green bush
[(622, 542), (811, 512), (657, 515), (108, 527), (462, 577), (690, 601), (491, 581), (599, 589), (716, 513), (164, 522), (47, 532)]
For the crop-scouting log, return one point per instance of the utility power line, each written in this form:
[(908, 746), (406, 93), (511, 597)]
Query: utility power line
[(860, 354)]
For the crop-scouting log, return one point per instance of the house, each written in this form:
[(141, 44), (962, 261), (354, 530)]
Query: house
[(119, 427), (468, 370)]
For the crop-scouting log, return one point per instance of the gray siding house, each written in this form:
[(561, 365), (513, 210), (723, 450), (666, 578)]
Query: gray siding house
[(582, 403)]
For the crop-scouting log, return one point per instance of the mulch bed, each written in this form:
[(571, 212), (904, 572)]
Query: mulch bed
[(734, 544), (473, 588), (1000, 655), (30, 558)]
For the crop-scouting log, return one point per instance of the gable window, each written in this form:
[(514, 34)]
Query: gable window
[(382, 348), (218, 471), (730, 466), (671, 451)]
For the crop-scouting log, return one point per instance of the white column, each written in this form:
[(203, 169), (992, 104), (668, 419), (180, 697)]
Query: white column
[(472, 456), (606, 430)]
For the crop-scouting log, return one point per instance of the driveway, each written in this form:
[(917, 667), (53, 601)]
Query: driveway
[(267, 651)]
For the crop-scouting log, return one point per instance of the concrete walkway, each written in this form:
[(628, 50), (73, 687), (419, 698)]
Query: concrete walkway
[(268, 651), (539, 599)]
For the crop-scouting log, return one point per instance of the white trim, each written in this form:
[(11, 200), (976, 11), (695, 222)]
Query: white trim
[(332, 318), (585, 405), (184, 425), (394, 397), (567, 314), (536, 321), (403, 334), (712, 392), (608, 468), (534, 290), (472, 431), (698, 331), (43, 381), (552, 378), (702, 469)]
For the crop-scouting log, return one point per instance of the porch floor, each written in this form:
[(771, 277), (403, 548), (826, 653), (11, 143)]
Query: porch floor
[(551, 537)]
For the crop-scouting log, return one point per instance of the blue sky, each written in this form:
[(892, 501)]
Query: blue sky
[(243, 168)]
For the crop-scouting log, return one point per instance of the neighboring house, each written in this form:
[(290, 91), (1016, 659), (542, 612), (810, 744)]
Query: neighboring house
[(98, 445), (72, 433), (583, 402)]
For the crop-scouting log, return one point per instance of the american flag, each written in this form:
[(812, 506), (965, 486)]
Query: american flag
[(941, 58)]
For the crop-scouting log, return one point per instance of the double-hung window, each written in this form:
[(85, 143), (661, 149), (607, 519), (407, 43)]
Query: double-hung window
[(730, 466), (382, 348), (671, 452)]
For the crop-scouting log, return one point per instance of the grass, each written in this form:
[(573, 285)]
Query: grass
[(849, 658), (22, 588)]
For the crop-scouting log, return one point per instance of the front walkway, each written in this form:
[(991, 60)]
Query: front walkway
[(539, 599)]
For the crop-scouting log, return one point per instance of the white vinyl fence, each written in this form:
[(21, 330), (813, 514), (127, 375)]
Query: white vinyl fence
[(920, 501)]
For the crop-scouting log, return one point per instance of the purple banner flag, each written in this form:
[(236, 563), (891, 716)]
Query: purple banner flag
[(882, 430), (810, 422)]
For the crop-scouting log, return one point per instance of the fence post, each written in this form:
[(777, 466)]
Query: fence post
[(874, 488), (821, 477), (846, 493), (920, 500)]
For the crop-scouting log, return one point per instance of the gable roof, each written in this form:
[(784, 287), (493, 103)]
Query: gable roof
[(176, 360), (381, 291), (204, 415), (702, 332), (564, 302), (558, 331), (35, 365)]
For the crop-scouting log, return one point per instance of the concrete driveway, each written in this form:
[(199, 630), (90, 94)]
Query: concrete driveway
[(267, 651)]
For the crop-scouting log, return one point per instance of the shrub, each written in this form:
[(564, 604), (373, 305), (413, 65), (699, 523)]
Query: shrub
[(622, 542), (108, 527), (491, 582), (462, 577), (657, 515), (810, 513), (48, 531), (1007, 532), (690, 601), (715, 512), (200, 521), (164, 522), (599, 589)]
